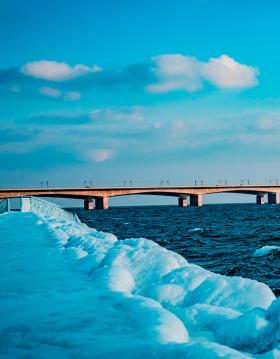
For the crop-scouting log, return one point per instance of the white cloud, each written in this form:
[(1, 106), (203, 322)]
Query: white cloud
[(157, 125), (56, 71), (72, 95), (56, 93), (128, 114), (179, 125), (100, 155), (50, 91), (176, 72), (265, 124), (225, 72)]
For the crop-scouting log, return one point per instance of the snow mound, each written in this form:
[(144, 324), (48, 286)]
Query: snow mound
[(131, 298)]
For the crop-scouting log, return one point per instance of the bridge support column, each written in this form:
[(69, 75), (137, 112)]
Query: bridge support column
[(260, 199), (273, 198), (88, 204), (196, 200), (101, 203), (182, 201)]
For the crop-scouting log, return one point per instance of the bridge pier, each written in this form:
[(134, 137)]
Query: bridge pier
[(273, 198), (260, 198), (182, 201), (196, 200), (101, 203), (88, 204)]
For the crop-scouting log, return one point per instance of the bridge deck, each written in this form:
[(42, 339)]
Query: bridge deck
[(101, 194)]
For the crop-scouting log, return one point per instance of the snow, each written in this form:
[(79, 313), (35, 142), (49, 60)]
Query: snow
[(68, 291), (263, 251)]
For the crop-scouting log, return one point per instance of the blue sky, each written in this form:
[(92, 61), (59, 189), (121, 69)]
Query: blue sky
[(114, 90)]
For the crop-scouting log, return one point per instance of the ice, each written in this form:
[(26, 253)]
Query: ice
[(68, 291), (263, 251), (196, 229), (46, 209), (4, 205), (256, 331)]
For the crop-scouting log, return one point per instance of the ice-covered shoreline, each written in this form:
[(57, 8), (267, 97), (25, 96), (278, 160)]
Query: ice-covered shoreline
[(149, 301)]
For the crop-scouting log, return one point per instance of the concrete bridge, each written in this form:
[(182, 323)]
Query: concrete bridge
[(97, 197)]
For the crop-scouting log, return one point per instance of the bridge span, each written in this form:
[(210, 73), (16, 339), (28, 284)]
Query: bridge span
[(98, 197)]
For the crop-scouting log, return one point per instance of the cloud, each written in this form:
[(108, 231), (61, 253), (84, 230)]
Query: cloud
[(72, 95), (157, 125), (100, 155), (56, 71), (56, 93), (266, 123), (176, 72), (50, 91), (225, 72), (161, 74), (55, 119), (179, 125), (128, 114)]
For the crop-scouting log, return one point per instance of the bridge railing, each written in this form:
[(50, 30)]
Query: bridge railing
[(47, 209), (91, 183), (4, 205)]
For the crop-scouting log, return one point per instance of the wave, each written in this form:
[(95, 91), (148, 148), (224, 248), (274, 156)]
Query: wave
[(263, 251)]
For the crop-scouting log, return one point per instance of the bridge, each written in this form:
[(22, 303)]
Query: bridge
[(98, 197)]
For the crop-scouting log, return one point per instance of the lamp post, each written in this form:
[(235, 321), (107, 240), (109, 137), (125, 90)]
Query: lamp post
[(44, 184), (88, 184)]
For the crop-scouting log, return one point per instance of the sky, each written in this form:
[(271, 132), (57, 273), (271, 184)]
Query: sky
[(142, 91)]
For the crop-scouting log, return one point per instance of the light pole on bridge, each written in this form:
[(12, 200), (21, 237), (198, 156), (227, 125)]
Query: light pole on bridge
[(88, 184), (129, 182), (198, 181), (44, 184)]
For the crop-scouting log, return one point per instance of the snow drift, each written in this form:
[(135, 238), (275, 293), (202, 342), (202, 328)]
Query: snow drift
[(92, 295)]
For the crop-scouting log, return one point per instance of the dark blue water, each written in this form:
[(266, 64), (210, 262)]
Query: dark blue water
[(221, 237)]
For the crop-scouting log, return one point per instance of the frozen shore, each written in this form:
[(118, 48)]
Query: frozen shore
[(68, 290)]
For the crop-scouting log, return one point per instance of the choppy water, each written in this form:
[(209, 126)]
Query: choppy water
[(221, 237)]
